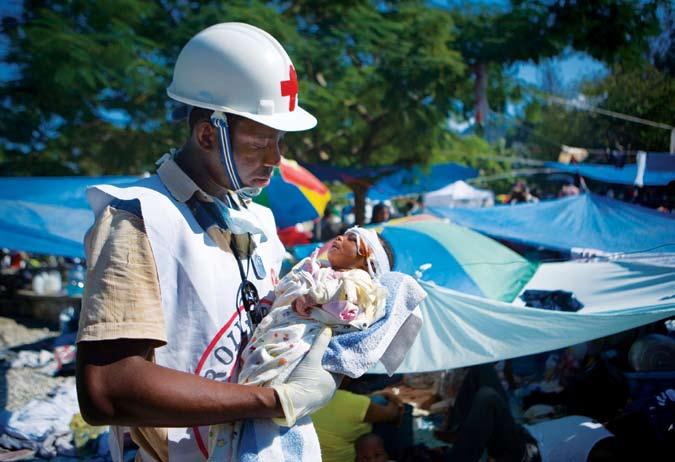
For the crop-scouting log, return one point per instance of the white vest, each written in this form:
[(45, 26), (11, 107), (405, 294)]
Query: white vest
[(198, 284)]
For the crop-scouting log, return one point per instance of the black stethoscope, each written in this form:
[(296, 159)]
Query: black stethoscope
[(247, 292)]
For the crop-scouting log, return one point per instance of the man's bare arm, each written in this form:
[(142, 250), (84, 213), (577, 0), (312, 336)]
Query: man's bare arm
[(118, 385)]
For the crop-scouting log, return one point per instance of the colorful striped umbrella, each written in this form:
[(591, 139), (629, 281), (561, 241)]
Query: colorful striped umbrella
[(460, 259), (294, 195)]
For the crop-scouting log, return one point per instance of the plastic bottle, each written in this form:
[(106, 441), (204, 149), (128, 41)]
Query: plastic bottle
[(68, 320), (76, 277), (53, 282), (38, 283)]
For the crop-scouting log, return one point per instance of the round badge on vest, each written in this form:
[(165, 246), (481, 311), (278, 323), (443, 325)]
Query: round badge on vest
[(258, 267)]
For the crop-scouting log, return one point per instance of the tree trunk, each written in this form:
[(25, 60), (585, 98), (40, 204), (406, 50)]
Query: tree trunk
[(360, 192), (480, 93)]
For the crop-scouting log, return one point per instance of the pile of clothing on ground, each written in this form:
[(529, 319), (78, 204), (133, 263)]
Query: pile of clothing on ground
[(51, 427)]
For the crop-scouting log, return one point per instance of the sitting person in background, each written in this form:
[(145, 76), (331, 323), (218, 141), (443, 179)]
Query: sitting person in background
[(413, 206), (481, 420), (520, 193), (329, 226), (349, 416), (569, 189), (381, 213), (370, 448)]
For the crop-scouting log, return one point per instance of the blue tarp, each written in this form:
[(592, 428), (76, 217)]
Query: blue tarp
[(598, 172), (659, 171), (397, 181), (585, 221), (47, 215), (462, 330), (417, 180), (655, 169)]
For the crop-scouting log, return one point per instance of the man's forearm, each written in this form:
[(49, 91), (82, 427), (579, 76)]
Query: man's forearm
[(136, 392)]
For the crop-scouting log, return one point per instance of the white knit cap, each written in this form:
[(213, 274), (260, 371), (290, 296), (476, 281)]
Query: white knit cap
[(377, 263)]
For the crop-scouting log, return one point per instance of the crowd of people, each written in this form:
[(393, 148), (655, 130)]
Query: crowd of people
[(661, 198)]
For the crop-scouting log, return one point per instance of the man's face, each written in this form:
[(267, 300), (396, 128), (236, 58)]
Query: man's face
[(257, 150)]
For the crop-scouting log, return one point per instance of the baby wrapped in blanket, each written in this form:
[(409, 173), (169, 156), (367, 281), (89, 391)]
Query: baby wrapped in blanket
[(342, 293)]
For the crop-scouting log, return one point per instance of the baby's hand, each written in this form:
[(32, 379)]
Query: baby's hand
[(302, 306)]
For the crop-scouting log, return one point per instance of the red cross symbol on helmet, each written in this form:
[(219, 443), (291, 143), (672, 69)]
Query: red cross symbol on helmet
[(290, 88)]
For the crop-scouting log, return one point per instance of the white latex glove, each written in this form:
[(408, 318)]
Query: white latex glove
[(310, 386)]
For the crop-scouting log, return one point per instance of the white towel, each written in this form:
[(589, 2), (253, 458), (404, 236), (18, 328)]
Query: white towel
[(388, 339)]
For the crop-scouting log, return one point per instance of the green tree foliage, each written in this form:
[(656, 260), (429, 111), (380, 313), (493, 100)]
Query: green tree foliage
[(640, 91), (91, 93), (381, 81), (91, 97), (612, 31), (77, 61)]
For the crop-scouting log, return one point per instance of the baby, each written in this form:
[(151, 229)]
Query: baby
[(344, 294), (370, 448)]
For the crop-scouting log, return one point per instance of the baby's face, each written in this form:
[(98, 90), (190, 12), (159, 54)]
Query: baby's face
[(371, 450), (343, 253)]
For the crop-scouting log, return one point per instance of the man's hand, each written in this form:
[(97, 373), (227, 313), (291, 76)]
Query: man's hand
[(310, 386)]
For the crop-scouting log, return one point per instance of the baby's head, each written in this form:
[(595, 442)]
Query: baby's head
[(370, 448), (363, 249)]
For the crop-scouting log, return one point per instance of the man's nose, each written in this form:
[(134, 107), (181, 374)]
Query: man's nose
[(272, 156)]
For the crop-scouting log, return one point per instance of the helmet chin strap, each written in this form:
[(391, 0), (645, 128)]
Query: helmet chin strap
[(219, 120)]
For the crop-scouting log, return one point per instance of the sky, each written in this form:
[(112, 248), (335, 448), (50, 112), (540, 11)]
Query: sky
[(570, 68)]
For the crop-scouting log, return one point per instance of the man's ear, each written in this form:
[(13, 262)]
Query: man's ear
[(204, 134)]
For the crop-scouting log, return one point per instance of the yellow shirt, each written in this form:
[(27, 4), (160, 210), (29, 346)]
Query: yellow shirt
[(339, 424)]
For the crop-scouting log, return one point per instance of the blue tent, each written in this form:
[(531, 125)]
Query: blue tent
[(416, 180), (586, 221), (398, 181), (652, 169), (47, 215)]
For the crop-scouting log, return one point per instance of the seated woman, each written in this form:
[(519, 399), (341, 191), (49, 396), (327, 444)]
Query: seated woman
[(349, 416)]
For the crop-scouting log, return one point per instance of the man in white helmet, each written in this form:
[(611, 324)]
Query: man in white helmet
[(177, 260)]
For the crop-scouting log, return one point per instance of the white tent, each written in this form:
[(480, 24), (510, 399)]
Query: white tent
[(459, 194)]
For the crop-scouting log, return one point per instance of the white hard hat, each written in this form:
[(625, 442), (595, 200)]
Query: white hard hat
[(240, 69)]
